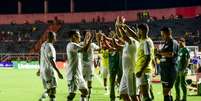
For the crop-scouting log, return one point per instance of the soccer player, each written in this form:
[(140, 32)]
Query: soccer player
[(128, 84), (143, 66), (48, 69), (104, 67), (168, 57), (182, 63), (74, 74), (132, 33), (88, 62), (104, 54), (115, 66)]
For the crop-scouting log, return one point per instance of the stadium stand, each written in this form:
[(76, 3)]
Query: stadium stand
[(14, 37)]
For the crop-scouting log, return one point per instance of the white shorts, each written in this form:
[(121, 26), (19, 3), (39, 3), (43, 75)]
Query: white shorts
[(105, 72), (52, 83), (87, 73), (128, 84), (144, 79), (73, 85), (49, 79), (123, 85)]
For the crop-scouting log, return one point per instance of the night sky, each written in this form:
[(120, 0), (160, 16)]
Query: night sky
[(57, 6)]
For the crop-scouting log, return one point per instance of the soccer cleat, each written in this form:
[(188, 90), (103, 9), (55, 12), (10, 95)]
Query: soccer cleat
[(44, 95), (52, 99), (88, 98), (105, 88), (41, 99), (176, 100)]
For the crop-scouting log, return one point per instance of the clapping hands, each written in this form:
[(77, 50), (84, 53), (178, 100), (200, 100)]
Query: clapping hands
[(120, 21)]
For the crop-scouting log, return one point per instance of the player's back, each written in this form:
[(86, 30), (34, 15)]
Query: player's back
[(73, 59), (47, 51), (88, 56), (129, 55), (72, 54)]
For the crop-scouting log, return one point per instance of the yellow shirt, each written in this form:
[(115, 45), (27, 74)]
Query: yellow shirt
[(104, 58), (146, 47)]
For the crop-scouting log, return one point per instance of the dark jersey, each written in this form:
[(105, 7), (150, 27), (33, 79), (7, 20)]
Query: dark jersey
[(170, 46), (183, 56)]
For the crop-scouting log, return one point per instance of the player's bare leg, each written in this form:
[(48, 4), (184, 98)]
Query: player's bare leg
[(43, 96), (167, 94), (145, 89), (52, 94), (151, 92), (89, 89), (71, 96), (125, 97), (138, 97), (84, 93), (105, 83), (134, 98)]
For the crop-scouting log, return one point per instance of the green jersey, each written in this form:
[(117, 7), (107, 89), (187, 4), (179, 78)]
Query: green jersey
[(183, 56)]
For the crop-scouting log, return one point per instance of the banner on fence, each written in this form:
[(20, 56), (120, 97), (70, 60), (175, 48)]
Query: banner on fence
[(6, 64), (27, 64)]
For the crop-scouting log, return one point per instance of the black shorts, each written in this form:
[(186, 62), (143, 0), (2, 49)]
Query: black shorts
[(168, 74)]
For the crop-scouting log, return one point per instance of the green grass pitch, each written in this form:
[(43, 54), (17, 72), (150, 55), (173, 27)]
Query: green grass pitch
[(24, 85)]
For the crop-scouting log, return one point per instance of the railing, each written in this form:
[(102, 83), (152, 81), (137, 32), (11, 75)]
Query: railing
[(3, 57), (25, 56), (52, 27)]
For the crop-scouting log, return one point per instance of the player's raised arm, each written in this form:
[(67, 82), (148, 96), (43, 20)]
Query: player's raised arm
[(107, 43), (117, 26), (125, 27), (125, 34), (117, 45), (103, 40), (131, 32), (87, 41), (121, 30)]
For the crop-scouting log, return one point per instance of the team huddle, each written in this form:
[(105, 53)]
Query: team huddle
[(127, 55)]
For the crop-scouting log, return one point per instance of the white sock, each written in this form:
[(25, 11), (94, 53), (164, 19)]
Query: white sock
[(83, 99), (52, 99), (43, 96)]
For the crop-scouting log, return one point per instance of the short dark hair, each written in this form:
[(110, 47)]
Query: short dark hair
[(50, 35), (71, 33), (85, 32), (166, 29), (144, 27), (182, 39)]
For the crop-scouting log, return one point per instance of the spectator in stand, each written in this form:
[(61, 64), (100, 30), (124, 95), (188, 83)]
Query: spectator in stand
[(163, 17), (98, 19), (171, 17), (103, 19)]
